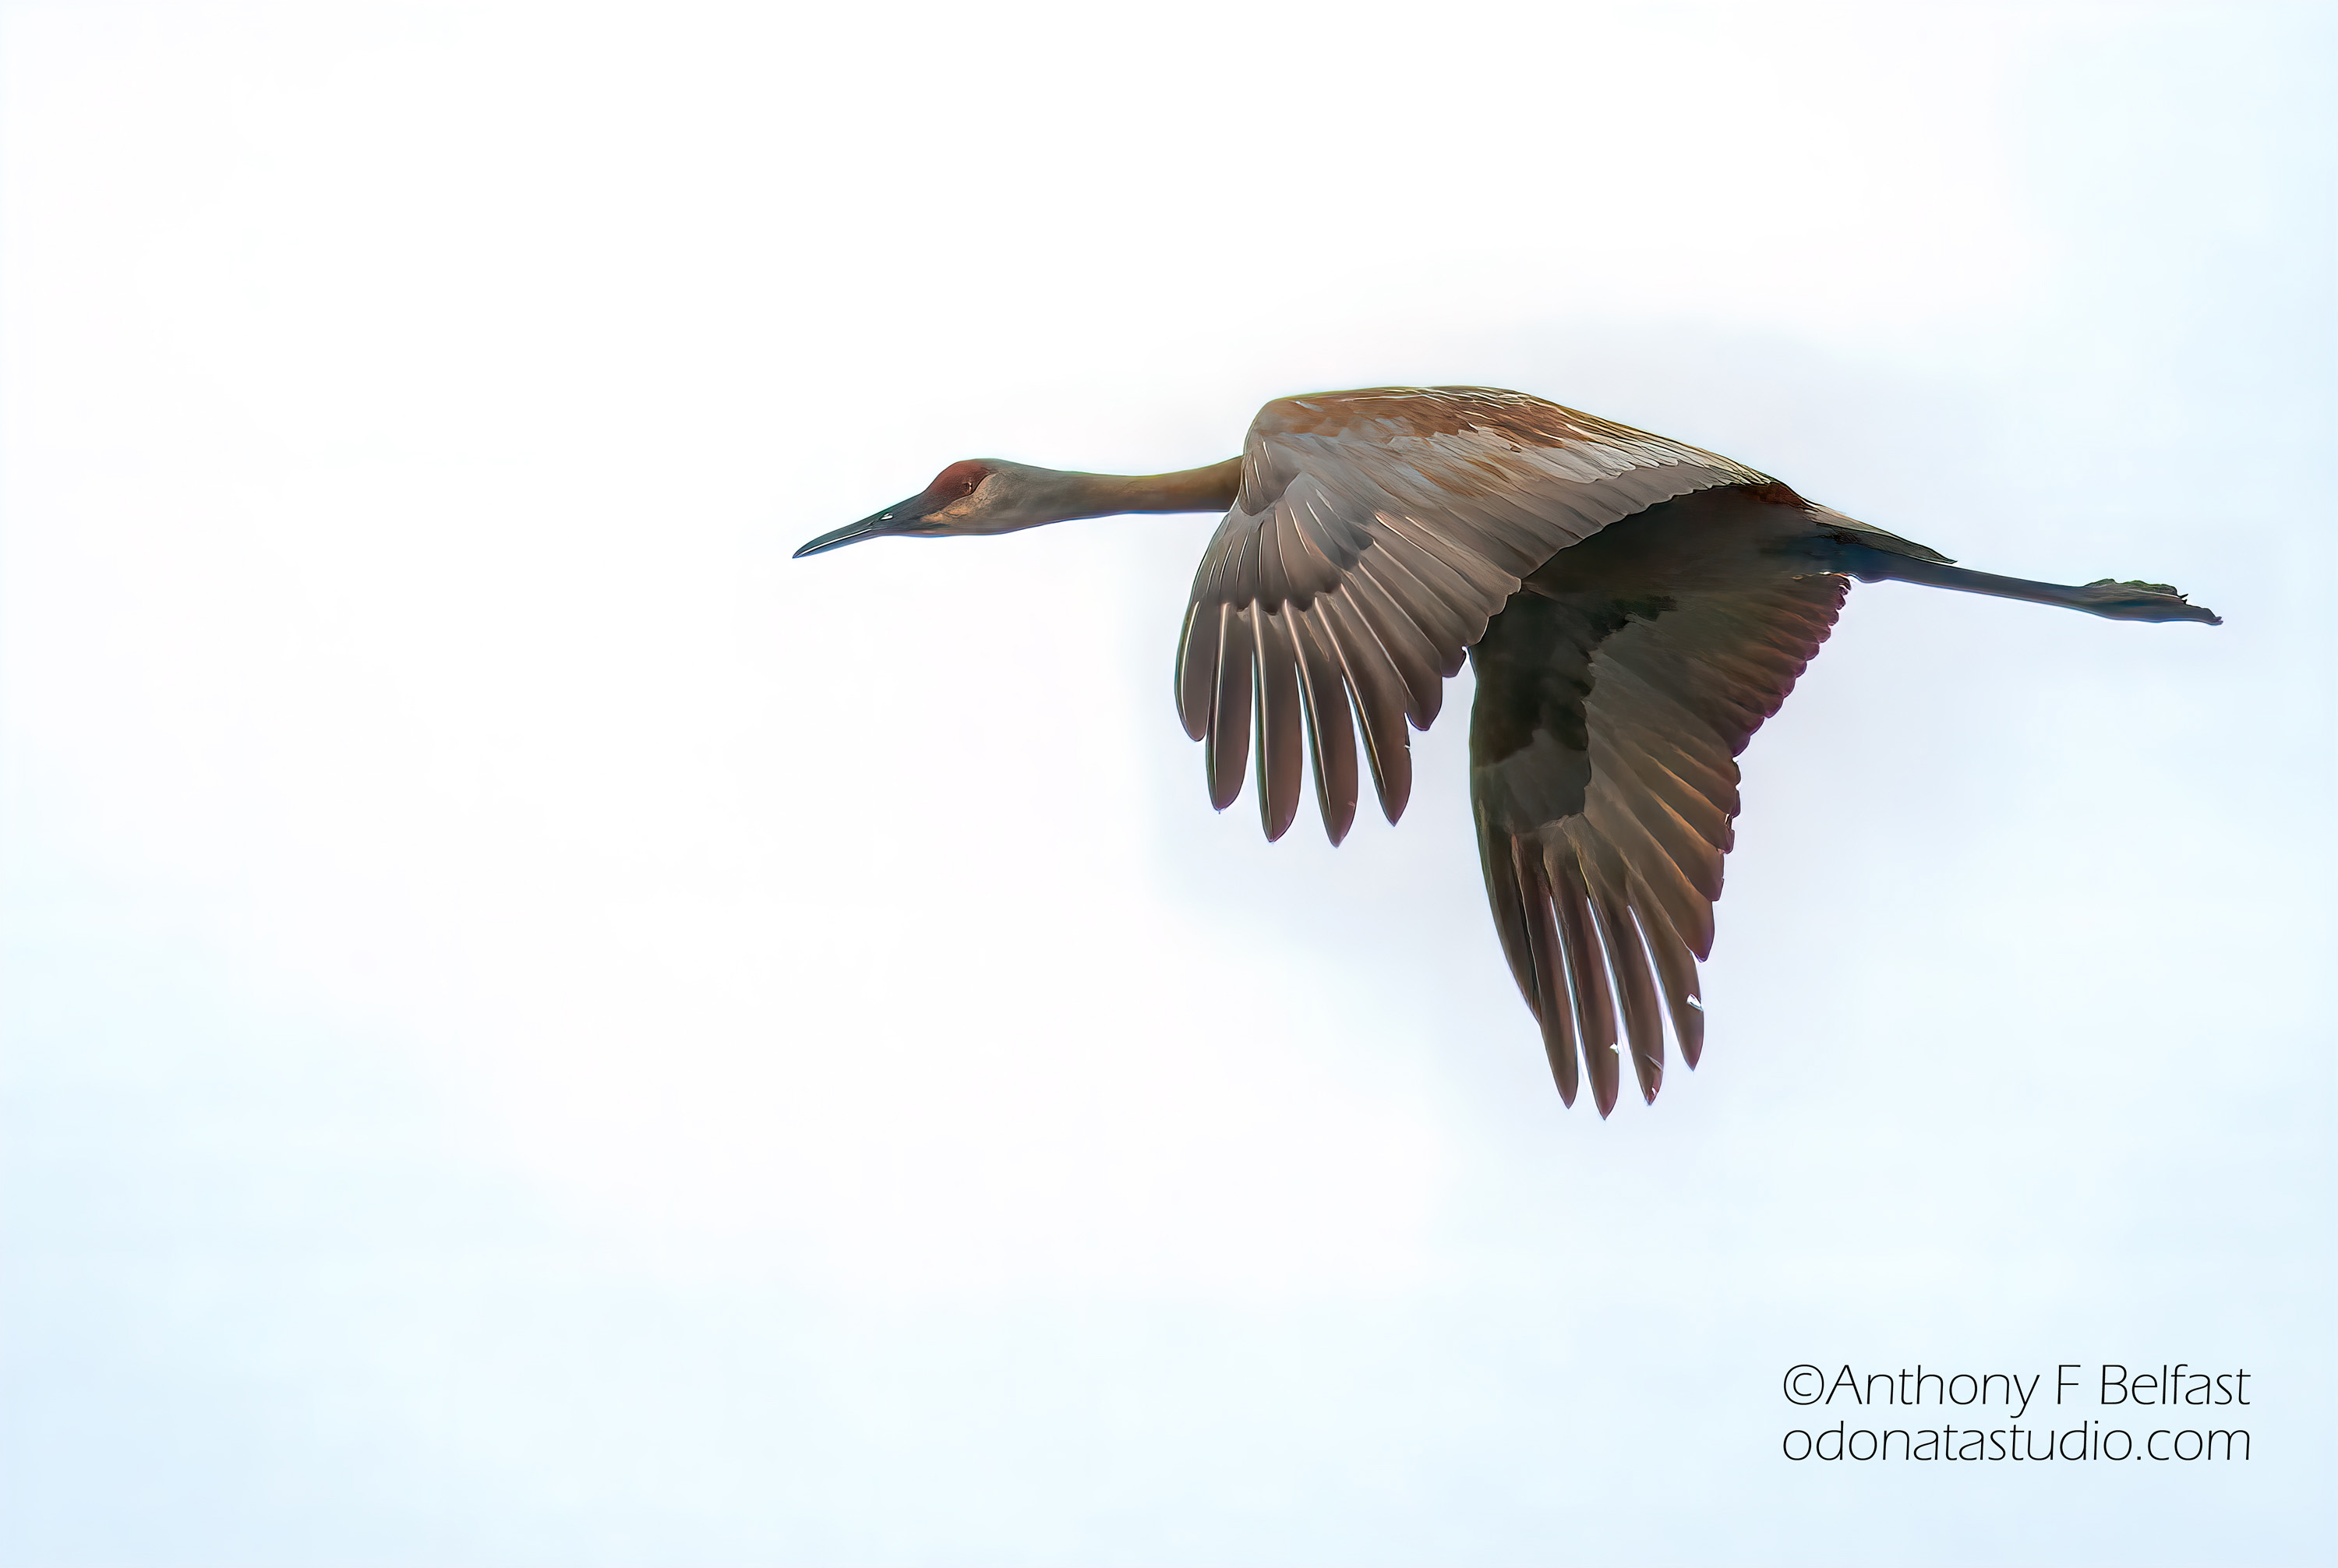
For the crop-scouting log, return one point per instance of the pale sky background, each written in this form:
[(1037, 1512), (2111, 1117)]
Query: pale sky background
[(540, 1031)]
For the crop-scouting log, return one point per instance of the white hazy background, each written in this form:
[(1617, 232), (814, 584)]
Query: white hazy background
[(542, 1032)]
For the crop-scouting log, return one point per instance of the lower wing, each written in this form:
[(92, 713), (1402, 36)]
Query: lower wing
[(1603, 781)]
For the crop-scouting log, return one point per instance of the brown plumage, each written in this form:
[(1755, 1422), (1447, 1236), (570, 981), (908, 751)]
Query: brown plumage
[(1634, 609)]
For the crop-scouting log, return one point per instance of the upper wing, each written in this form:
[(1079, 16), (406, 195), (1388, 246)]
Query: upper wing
[(1374, 535), (1604, 780)]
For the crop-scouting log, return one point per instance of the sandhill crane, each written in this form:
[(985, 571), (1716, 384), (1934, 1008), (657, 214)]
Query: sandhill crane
[(1634, 609)]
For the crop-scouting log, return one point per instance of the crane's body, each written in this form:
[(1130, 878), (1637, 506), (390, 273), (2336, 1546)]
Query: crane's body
[(1634, 609)]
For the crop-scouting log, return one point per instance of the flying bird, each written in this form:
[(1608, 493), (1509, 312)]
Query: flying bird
[(1635, 608)]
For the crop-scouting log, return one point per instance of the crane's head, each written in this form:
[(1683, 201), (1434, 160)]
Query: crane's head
[(980, 495)]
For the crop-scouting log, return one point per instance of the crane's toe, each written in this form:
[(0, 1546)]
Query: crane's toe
[(2119, 601)]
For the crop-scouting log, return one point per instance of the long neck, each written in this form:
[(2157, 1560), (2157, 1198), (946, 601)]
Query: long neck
[(1210, 489)]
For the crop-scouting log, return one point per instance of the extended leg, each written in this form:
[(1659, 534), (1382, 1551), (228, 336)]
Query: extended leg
[(2113, 601)]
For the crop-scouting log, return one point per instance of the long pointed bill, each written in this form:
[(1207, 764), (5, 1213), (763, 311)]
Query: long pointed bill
[(897, 519)]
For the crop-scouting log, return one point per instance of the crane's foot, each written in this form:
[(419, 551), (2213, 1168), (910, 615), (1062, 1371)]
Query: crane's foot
[(2118, 601)]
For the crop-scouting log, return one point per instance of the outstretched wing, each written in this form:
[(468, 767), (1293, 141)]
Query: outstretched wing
[(1374, 535), (1604, 780)]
